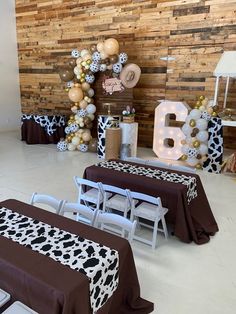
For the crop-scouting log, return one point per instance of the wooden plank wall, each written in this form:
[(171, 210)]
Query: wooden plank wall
[(194, 32)]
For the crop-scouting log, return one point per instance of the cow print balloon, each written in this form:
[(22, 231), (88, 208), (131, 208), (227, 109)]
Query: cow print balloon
[(96, 56), (192, 152), (117, 67), (83, 148), (94, 67), (123, 57), (62, 146), (89, 78), (75, 53)]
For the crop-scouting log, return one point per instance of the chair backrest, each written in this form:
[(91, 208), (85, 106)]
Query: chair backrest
[(80, 209), (47, 200), (114, 189), (144, 197), (106, 219), (157, 163), (80, 183)]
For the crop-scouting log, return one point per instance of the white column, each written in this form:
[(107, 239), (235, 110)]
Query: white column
[(129, 135)]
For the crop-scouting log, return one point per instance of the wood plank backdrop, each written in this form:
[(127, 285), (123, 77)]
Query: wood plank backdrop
[(194, 32)]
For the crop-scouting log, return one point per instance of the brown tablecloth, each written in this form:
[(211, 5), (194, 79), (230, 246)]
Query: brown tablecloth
[(52, 288), (34, 133), (191, 222)]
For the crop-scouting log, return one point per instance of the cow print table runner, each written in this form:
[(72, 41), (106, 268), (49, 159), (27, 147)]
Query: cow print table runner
[(98, 262), (189, 181)]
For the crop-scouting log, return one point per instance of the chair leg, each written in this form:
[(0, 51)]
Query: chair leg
[(154, 236), (163, 221)]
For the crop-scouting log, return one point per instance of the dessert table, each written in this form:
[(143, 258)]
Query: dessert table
[(39, 264), (182, 193)]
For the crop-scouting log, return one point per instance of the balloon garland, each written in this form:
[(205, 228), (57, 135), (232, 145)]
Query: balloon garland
[(195, 145), (79, 75)]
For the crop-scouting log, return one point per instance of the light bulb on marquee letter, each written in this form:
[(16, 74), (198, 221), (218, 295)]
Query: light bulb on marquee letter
[(163, 132)]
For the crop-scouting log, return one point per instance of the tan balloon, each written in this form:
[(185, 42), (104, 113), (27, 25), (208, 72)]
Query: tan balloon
[(210, 110), (87, 57), (104, 55), (111, 46), (76, 94), (86, 137), (100, 46), (85, 86), (79, 60), (83, 104)]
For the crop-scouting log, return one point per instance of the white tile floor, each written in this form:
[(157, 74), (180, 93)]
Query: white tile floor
[(179, 278)]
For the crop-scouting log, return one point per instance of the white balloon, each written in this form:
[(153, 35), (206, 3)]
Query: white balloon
[(91, 108), (75, 140), (90, 92), (195, 114), (202, 136), (184, 149), (91, 116), (187, 120), (189, 140), (187, 130), (71, 147), (203, 149), (84, 52), (201, 124), (192, 161)]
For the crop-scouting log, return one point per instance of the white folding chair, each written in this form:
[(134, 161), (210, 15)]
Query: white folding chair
[(47, 200), (150, 209), (84, 213), (115, 198), (4, 297), (115, 224), (19, 308), (89, 192)]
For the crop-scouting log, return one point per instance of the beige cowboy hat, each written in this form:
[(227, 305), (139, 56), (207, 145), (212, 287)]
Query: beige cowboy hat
[(130, 75)]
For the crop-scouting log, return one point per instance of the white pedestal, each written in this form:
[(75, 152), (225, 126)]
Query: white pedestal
[(129, 135)]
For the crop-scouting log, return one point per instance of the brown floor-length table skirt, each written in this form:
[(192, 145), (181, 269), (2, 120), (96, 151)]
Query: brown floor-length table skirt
[(34, 133), (192, 221), (52, 288)]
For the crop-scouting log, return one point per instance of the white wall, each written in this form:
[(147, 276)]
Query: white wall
[(10, 108)]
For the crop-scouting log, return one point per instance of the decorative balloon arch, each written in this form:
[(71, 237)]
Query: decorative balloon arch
[(195, 129), (79, 76)]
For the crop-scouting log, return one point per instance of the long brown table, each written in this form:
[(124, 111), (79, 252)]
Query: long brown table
[(192, 221), (47, 286)]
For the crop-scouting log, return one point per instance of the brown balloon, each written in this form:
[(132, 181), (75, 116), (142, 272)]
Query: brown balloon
[(107, 61), (93, 47), (89, 125), (93, 145), (114, 58), (72, 63), (196, 130), (66, 74), (87, 120)]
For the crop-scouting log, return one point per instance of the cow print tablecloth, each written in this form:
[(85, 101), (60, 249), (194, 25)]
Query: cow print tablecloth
[(189, 181), (49, 123), (98, 262)]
